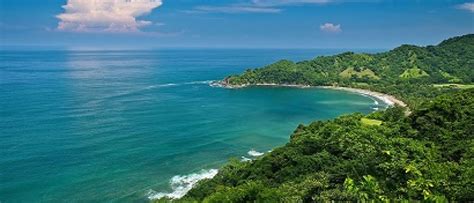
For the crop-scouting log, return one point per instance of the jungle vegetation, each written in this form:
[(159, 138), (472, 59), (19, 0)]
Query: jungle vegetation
[(382, 156), (408, 72), (385, 155)]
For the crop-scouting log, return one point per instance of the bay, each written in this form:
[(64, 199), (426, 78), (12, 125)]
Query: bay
[(119, 125)]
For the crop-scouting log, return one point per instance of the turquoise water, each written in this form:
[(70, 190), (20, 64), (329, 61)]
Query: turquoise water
[(119, 125)]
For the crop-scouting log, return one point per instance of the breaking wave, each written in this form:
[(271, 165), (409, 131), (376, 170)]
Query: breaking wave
[(254, 153), (245, 159), (182, 184)]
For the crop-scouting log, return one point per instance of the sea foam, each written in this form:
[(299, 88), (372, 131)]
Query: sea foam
[(161, 85), (182, 184), (204, 82), (254, 153), (245, 159), (199, 82)]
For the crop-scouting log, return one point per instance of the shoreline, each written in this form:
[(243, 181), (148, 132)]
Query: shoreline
[(386, 98), (194, 178)]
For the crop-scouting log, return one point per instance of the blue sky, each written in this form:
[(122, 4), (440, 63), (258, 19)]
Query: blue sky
[(149, 24)]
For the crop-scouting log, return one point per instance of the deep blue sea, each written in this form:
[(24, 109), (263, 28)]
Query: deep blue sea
[(133, 125)]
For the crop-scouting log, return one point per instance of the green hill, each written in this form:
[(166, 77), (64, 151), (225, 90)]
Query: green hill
[(382, 156), (407, 71), (386, 155)]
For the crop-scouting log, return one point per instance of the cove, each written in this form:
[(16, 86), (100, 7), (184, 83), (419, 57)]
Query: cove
[(118, 125)]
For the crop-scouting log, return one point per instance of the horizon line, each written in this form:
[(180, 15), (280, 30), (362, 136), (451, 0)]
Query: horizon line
[(65, 48)]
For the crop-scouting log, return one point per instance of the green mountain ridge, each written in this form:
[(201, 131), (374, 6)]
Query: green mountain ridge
[(408, 71), (386, 155)]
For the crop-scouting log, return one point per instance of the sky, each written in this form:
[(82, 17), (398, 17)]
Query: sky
[(151, 24)]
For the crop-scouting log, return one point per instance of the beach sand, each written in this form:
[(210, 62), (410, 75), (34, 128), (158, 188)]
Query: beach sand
[(386, 98)]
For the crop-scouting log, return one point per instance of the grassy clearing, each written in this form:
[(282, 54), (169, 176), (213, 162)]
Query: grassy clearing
[(368, 121), (349, 72), (452, 79), (452, 85), (413, 73)]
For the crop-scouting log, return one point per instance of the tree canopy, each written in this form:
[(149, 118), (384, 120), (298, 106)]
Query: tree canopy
[(426, 156), (386, 155), (408, 71)]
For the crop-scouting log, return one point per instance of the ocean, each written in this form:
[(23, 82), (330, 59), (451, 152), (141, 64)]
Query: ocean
[(134, 125)]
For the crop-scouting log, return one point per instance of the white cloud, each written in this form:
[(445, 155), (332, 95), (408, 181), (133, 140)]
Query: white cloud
[(105, 15), (329, 27), (467, 6)]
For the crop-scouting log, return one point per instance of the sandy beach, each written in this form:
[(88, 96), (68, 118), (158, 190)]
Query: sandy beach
[(386, 98)]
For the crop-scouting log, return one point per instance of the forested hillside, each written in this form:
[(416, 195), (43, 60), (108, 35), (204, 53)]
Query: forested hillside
[(386, 155), (409, 72), (426, 156)]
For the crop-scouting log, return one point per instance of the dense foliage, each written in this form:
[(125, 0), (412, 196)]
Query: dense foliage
[(386, 155), (408, 72), (426, 156)]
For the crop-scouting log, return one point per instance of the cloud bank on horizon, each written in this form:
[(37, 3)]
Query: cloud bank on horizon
[(105, 15)]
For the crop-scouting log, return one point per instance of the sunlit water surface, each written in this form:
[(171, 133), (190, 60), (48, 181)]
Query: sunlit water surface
[(118, 125)]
